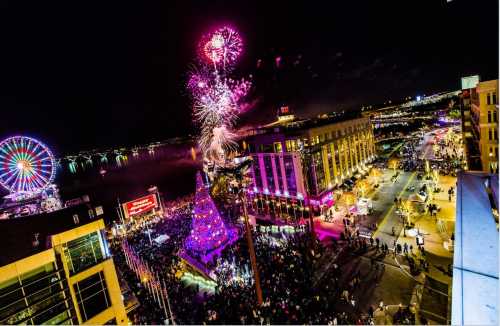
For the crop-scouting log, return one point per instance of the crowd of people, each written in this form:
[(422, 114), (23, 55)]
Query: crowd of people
[(285, 258), (286, 268)]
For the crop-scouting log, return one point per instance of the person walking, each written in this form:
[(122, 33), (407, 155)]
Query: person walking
[(345, 295), (405, 248)]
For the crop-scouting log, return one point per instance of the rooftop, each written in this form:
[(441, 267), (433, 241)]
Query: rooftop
[(25, 236), (297, 124), (475, 261)]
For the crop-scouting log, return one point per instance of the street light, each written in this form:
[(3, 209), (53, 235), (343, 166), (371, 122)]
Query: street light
[(362, 187), (238, 174), (375, 175), (347, 199)]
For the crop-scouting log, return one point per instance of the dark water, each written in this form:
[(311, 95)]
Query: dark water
[(173, 174)]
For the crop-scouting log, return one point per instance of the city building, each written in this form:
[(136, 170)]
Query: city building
[(480, 123), (475, 261), (471, 149), (56, 268), (484, 116), (298, 163)]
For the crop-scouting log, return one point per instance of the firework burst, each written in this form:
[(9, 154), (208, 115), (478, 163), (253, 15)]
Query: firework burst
[(216, 97), (222, 47)]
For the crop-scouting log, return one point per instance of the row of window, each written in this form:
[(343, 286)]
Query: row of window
[(92, 296), (42, 296), (491, 98), (492, 114), (492, 134), (291, 145), (328, 136), (38, 297), (84, 252), (342, 159), (275, 184)]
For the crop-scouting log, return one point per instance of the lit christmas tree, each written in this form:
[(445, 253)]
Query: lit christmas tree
[(208, 232)]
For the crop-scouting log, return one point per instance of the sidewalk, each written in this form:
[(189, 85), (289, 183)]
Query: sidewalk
[(383, 280)]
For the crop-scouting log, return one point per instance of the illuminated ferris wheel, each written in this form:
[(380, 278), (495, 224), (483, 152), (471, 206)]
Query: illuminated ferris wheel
[(26, 164)]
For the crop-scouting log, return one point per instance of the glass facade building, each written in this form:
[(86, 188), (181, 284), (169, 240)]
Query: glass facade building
[(65, 276), (38, 297), (84, 252)]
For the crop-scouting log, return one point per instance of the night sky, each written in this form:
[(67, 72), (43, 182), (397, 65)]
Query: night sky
[(85, 74)]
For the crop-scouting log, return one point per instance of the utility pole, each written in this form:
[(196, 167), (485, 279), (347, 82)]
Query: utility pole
[(251, 249), (120, 215)]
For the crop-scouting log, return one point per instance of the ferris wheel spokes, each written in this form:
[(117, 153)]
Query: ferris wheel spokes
[(25, 164)]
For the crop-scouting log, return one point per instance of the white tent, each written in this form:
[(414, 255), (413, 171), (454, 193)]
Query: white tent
[(161, 238)]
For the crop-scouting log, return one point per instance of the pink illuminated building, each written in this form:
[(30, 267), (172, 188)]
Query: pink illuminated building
[(299, 163)]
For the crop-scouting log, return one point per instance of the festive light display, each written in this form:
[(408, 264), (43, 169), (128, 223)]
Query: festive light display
[(217, 97), (26, 164), (208, 232), (223, 46), (152, 280)]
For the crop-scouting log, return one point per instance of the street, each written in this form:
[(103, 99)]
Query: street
[(392, 282)]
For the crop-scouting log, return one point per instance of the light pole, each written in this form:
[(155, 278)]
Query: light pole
[(238, 174), (251, 249)]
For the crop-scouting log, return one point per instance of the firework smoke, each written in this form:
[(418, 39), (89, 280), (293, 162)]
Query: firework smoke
[(217, 98)]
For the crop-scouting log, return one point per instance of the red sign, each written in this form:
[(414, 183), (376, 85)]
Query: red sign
[(140, 205)]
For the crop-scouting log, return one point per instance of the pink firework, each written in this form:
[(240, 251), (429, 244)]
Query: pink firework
[(222, 46)]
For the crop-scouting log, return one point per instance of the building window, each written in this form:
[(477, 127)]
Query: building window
[(489, 134), (92, 296), (84, 252), (495, 117), (269, 173), (40, 296), (489, 116), (494, 95), (290, 175), (277, 147), (495, 133), (257, 173), (278, 172), (318, 173), (330, 162), (488, 101)]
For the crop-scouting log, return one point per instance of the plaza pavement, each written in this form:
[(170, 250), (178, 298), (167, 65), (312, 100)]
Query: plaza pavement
[(395, 285)]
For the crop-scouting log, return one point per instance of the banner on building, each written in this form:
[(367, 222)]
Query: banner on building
[(140, 206)]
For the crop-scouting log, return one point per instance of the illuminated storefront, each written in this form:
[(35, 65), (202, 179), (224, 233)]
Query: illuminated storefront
[(297, 164)]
